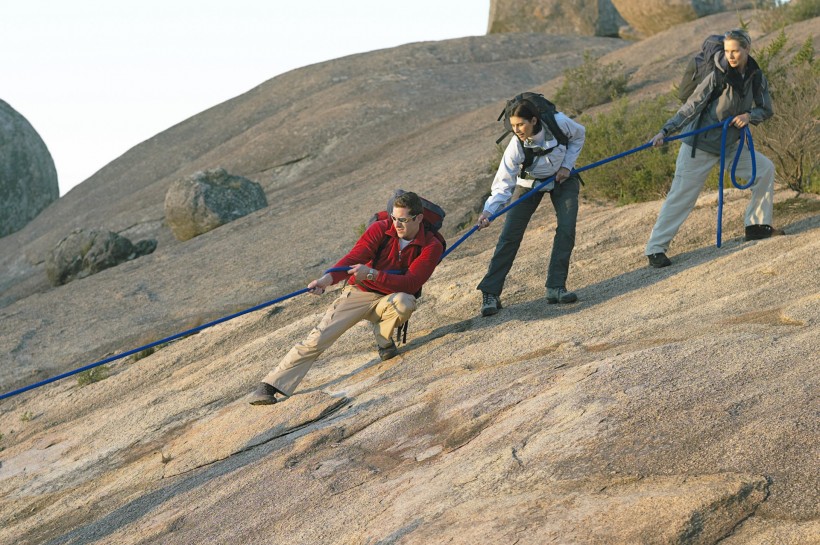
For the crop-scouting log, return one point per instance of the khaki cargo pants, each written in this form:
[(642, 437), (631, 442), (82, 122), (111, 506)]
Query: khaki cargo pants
[(385, 312)]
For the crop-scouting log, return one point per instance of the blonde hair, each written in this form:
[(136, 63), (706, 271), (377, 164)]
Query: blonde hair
[(739, 35)]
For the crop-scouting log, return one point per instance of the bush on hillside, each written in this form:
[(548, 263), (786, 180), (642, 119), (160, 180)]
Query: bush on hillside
[(641, 176), (791, 138), (591, 84), (95, 374)]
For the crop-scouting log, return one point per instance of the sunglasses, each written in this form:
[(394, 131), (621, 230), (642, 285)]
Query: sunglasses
[(403, 220)]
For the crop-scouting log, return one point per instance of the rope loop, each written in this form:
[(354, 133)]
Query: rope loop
[(745, 137)]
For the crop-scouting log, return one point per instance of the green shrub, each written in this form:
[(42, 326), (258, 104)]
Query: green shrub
[(147, 352), (791, 138), (641, 176), (591, 84), (26, 416), (95, 374)]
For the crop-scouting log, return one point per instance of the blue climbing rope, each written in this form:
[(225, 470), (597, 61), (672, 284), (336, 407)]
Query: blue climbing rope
[(151, 345), (745, 135)]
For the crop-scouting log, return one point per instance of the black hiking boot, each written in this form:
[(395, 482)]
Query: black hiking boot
[(388, 352), (758, 232), (560, 295), (265, 394), (490, 304), (658, 260)]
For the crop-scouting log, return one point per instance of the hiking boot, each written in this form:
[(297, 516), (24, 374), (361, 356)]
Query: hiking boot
[(389, 352), (560, 295), (658, 260), (490, 304), (265, 394), (757, 232)]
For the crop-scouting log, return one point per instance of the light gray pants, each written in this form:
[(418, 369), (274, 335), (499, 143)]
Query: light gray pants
[(690, 175), (386, 312)]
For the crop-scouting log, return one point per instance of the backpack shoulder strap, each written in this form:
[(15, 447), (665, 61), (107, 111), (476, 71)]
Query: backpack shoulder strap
[(720, 84), (529, 159), (552, 125)]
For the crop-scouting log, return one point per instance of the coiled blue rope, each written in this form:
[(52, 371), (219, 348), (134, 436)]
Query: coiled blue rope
[(746, 134)]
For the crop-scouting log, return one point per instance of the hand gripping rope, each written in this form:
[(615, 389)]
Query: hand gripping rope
[(745, 136)]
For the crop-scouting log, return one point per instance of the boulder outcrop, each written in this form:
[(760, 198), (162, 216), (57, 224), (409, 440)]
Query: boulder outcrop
[(648, 17), (28, 178), (88, 251), (584, 17), (625, 18), (208, 199)]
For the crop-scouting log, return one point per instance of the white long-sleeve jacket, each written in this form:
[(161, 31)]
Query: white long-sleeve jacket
[(542, 167)]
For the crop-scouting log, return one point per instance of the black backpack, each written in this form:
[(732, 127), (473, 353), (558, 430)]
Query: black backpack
[(546, 112), (700, 66)]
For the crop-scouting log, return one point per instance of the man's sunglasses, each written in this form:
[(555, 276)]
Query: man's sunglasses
[(403, 220)]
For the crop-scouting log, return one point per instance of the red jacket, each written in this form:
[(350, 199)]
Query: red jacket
[(418, 259)]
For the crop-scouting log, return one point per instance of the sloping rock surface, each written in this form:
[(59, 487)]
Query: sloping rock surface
[(667, 406)]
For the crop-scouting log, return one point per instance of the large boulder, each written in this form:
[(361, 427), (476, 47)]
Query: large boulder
[(208, 199), (28, 179), (584, 17), (625, 18), (648, 17), (88, 251)]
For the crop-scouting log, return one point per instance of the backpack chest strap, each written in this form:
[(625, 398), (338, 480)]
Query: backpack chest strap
[(529, 158)]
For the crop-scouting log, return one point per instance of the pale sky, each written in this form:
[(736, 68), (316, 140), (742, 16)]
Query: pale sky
[(97, 77)]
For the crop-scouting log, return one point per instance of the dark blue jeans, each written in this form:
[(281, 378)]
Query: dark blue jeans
[(565, 201)]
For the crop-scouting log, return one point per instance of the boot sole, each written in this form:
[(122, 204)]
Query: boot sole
[(262, 401)]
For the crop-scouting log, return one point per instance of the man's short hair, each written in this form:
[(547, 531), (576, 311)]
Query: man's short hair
[(411, 201)]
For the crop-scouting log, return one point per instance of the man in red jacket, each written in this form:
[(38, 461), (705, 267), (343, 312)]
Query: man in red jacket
[(399, 243)]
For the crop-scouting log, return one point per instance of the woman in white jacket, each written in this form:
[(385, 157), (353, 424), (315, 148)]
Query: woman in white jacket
[(549, 157)]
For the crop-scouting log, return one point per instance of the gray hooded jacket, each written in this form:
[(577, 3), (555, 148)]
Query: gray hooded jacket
[(739, 95)]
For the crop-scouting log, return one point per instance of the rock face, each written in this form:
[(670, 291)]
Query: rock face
[(585, 17), (648, 17), (28, 179), (86, 252), (206, 200), (626, 18)]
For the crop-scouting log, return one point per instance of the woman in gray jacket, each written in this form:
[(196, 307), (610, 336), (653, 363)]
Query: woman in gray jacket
[(735, 88)]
